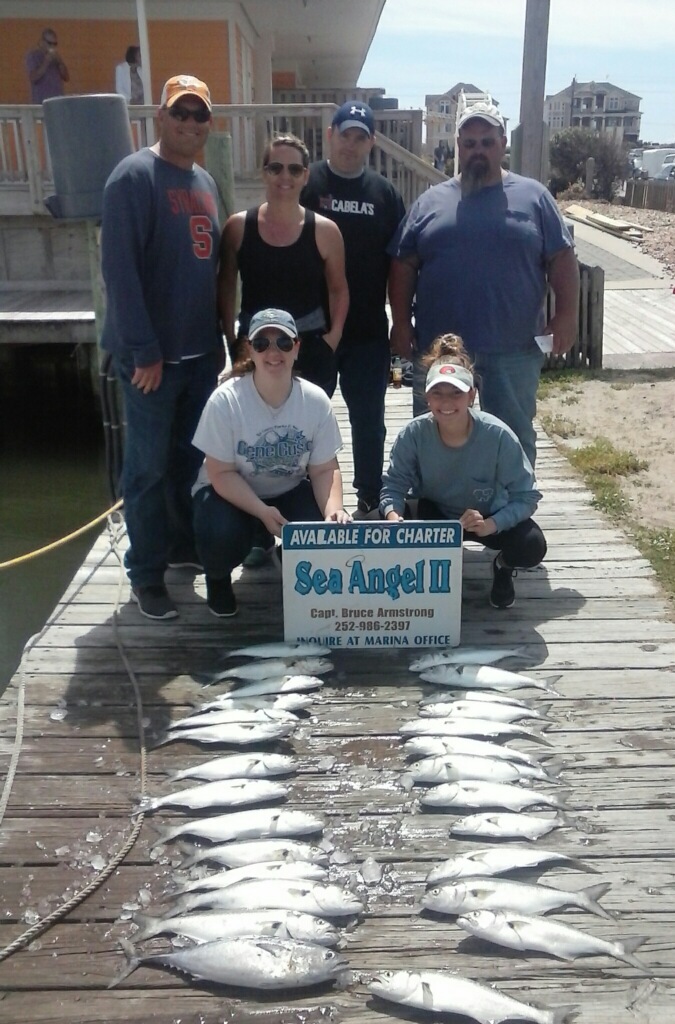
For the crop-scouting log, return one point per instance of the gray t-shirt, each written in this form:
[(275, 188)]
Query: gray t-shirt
[(271, 448), (489, 472)]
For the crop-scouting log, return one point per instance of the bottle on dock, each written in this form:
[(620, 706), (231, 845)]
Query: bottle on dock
[(396, 372)]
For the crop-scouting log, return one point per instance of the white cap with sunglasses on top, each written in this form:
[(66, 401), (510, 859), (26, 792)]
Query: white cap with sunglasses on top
[(487, 112), (278, 318)]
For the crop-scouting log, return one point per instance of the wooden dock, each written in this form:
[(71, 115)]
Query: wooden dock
[(592, 613)]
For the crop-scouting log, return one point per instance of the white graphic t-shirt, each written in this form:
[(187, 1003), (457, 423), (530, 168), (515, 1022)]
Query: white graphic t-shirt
[(271, 448)]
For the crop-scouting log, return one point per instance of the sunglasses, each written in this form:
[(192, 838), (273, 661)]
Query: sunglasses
[(486, 143), (282, 342), (201, 116), (276, 167)]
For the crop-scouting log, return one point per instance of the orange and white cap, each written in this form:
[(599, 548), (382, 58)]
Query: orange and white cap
[(185, 85)]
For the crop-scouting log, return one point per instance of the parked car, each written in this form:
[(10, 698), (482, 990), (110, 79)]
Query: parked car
[(667, 173), (654, 159)]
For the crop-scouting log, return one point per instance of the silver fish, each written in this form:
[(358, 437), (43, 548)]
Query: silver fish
[(268, 667), (279, 650), (488, 697), (457, 767), (278, 702), (518, 931), (430, 746), (300, 869), (249, 962), (469, 727), (504, 825), (238, 766), (207, 927), (482, 709), (471, 894), (499, 860), (253, 851), (450, 993), (224, 716), (463, 656), (256, 824), (475, 793), (485, 677), (239, 734), (279, 684), (221, 793), (277, 894)]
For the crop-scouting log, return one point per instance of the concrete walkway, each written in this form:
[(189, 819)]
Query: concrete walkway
[(639, 325)]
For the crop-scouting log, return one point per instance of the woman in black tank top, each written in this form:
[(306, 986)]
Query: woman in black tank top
[(288, 258)]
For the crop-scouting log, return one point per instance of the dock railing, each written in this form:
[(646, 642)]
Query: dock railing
[(26, 175)]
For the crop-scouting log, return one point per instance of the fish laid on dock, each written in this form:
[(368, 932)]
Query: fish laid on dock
[(470, 894), (300, 870), (306, 897), (254, 851), (238, 766), (272, 702), (463, 656), (486, 677), (271, 667), (223, 716), (237, 734), (508, 825), (500, 860), (469, 727), (459, 767), (278, 684), (278, 650), (522, 932), (216, 924), (493, 712), (221, 793), (475, 793), (430, 746), (448, 992), (257, 963), (256, 824)]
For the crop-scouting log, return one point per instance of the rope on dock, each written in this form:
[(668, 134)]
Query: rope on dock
[(63, 540), (62, 911)]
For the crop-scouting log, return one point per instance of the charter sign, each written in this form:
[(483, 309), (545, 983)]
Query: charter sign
[(373, 584)]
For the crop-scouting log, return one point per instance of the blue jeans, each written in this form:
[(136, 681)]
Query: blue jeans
[(507, 384), (364, 374), (224, 533), (161, 464)]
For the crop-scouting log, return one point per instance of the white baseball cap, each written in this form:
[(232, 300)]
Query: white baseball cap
[(449, 373)]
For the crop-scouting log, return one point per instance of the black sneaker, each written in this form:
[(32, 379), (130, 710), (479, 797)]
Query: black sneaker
[(502, 594), (366, 508), (220, 597), (257, 556), (154, 602)]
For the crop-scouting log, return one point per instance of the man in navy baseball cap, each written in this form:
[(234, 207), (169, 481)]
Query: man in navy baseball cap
[(354, 115)]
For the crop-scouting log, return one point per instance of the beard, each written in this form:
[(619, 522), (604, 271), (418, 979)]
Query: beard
[(475, 174)]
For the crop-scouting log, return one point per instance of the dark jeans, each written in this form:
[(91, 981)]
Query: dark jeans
[(364, 374), (316, 361), (161, 464), (224, 533), (522, 547)]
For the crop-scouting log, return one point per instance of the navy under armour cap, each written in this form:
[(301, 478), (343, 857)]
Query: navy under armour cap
[(272, 318), (354, 115)]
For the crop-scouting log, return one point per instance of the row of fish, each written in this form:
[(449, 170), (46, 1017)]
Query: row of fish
[(266, 919), (467, 769)]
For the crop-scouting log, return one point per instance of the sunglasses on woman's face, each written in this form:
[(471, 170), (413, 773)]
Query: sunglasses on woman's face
[(282, 342), (201, 115), (276, 167)]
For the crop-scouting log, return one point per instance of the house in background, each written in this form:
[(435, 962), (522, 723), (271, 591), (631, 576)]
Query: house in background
[(440, 116), (598, 106)]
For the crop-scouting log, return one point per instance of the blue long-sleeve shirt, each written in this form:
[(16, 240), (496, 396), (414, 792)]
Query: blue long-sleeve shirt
[(489, 472), (159, 255)]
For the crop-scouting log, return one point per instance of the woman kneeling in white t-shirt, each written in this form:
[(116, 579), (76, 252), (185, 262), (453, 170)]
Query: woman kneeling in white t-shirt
[(270, 441)]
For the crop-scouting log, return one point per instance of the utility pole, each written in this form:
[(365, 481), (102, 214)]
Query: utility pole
[(532, 132)]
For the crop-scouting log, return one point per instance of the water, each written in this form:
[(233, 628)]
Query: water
[(52, 481)]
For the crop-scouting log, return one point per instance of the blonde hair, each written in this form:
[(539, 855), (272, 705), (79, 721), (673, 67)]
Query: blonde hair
[(447, 348)]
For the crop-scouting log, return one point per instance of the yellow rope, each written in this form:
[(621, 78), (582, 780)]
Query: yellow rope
[(63, 540)]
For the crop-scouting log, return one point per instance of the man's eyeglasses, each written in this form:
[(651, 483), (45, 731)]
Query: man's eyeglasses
[(282, 342), (486, 143), (51, 42), (276, 167), (201, 115)]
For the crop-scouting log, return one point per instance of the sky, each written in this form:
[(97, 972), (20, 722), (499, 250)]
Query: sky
[(427, 46)]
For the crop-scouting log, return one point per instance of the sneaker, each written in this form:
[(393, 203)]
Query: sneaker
[(220, 597), (257, 556), (154, 602), (502, 594), (367, 508)]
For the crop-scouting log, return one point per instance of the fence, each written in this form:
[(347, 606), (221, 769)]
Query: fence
[(650, 195), (586, 353)]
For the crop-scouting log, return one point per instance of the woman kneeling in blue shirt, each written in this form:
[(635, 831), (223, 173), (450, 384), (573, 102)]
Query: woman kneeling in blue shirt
[(467, 465)]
